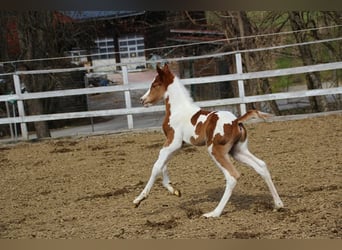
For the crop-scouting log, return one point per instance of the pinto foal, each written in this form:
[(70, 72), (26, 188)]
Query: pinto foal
[(222, 133)]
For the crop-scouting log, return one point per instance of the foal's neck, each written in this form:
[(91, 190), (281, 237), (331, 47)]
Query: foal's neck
[(179, 98)]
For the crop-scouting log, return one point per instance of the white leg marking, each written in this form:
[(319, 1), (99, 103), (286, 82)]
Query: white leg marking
[(230, 184), (167, 183), (242, 154), (166, 180), (158, 168)]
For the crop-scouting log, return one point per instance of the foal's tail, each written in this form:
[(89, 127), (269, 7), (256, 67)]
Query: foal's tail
[(253, 114)]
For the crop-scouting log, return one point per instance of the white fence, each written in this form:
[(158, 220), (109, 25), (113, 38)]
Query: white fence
[(127, 87)]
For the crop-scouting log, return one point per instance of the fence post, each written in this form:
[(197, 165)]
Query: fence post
[(240, 82), (127, 96), (10, 125), (21, 109)]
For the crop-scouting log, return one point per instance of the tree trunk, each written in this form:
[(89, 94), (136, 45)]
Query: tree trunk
[(266, 89), (3, 36), (318, 103), (33, 29), (252, 63), (35, 107)]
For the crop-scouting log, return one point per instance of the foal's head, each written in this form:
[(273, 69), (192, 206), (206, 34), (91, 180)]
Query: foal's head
[(158, 87)]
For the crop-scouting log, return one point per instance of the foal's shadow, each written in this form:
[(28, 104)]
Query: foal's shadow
[(237, 200)]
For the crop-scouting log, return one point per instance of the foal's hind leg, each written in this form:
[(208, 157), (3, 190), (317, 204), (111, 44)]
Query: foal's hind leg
[(241, 153), (231, 175)]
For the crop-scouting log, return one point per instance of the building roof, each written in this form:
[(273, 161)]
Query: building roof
[(100, 15), (194, 36)]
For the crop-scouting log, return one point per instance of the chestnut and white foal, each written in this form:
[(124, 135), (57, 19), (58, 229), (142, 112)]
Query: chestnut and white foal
[(222, 133)]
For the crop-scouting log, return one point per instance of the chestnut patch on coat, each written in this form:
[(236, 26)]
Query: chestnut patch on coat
[(232, 134), (168, 130), (220, 154), (195, 117), (204, 130)]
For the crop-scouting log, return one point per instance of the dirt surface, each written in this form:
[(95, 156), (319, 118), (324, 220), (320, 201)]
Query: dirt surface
[(84, 187)]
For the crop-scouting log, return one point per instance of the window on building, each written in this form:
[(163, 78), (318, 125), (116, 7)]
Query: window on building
[(77, 56), (131, 46), (104, 49)]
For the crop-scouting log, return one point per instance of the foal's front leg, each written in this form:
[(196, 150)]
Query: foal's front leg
[(159, 167), (167, 183)]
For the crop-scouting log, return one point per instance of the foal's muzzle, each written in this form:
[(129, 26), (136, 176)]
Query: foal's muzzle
[(143, 102)]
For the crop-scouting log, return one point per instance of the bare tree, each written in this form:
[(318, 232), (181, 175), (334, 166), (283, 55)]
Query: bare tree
[(240, 24), (37, 40), (302, 20), (331, 18), (42, 35), (3, 39)]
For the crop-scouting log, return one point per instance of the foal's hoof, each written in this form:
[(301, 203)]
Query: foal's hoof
[(279, 206), (137, 202), (279, 209), (212, 214), (177, 193)]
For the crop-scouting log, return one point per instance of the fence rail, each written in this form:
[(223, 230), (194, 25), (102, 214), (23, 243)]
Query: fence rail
[(189, 81), (242, 100)]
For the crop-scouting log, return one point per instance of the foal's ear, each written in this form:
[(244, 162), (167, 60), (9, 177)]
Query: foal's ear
[(159, 70), (166, 68), (163, 71)]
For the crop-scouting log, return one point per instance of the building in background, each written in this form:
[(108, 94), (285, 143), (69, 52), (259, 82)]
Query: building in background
[(120, 38)]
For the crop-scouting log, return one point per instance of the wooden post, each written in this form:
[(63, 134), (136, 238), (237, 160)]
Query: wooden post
[(127, 97), (10, 124), (240, 83), (86, 85), (21, 109)]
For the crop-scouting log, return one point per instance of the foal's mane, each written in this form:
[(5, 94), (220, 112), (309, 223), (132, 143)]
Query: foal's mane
[(180, 89)]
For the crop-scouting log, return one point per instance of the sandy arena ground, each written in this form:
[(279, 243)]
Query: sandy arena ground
[(84, 187)]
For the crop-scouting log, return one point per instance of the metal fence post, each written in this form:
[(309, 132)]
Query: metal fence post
[(127, 96), (240, 83), (21, 109)]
